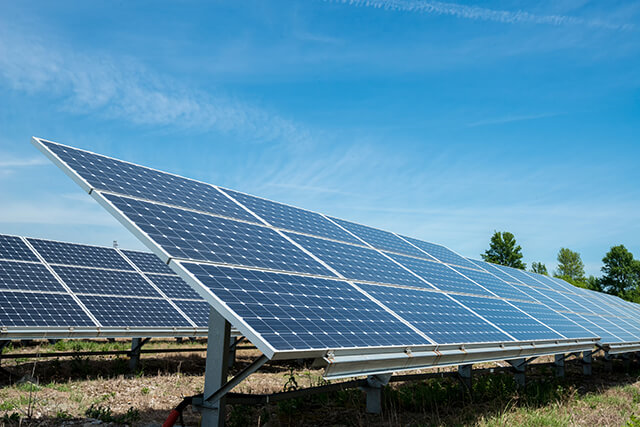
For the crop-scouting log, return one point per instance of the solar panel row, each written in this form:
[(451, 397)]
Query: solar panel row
[(50, 285), (296, 281)]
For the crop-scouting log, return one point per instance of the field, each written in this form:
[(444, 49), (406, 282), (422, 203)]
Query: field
[(77, 390)]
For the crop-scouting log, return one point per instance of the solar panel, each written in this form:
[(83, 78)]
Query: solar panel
[(441, 253), (358, 263), (124, 178), (508, 318), (190, 235), (58, 289), (46, 310), (297, 285), (438, 316), (147, 263), (381, 239), (126, 312), (22, 276), (12, 247), (83, 255), (299, 312), (440, 275), (294, 219)]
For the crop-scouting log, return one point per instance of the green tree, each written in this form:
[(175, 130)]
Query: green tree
[(504, 250), (570, 265), (621, 272), (540, 268)]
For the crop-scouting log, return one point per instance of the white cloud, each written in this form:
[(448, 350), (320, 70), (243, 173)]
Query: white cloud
[(481, 13), (20, 163), (124, 89)]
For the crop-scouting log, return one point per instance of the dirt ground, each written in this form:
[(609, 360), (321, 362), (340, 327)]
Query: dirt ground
[(101, 389)]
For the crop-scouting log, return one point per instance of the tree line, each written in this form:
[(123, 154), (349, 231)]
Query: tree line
[(620, 270)]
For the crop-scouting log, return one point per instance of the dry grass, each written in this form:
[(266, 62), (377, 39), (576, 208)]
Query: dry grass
[(64, 389)]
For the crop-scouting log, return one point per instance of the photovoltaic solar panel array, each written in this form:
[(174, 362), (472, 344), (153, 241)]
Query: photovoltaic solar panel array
[(614, 320), (57, 289), (302, 284)]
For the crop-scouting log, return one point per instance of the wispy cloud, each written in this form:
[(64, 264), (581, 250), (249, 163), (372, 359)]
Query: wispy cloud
[(510, 119), (25, 162), (125, 89), (482, 13)]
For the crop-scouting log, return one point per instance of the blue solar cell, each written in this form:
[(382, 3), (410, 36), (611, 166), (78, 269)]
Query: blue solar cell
[(123, 312), (147, 262), (190, 235), (301, 312), (558, 322), (492, 283), (358, 263), (73, 254), (128, 179), (381, 239), (173, 286), (441, 253), (536, 295), (18, 309), (508, 318), (13, 248), (493, 269), (105, 282), (559, 284), (436, 315), (568, 302), (294, 219), (606, 337), (198, 311), (622, 334), (440, 275), (27, 277), (522, 277)]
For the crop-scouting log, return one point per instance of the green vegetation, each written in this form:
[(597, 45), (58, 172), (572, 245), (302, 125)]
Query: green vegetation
[(570, 265), (105, 414), (540, 268), (504, 250)]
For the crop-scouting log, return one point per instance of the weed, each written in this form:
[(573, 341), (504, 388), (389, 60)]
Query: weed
[(7, 405), (105, 414), (239, 416), (145, 390), (13, 417), (63, 415), (59, 387)]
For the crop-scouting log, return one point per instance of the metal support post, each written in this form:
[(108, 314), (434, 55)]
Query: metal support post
[(519, 368), (465, 372), (3, 344), (587, 357), (233, 343), (134, 354), (626, 360), (215, 376), (608, 365), (373, 390), (559, 365)]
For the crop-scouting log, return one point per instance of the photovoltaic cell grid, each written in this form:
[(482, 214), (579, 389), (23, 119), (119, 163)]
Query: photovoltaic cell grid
[(582, 307), (210, 237), (32, 296)]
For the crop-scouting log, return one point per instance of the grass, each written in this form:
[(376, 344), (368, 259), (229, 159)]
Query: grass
[(73, 389)]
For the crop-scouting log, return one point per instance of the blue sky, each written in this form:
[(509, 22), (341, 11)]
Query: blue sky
[(443, 121)]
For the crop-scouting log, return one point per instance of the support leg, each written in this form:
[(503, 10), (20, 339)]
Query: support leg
[(232, 351), (213, 413), (519, 369), (465, 372), (559, 365), (373, 389), (134, 358), (608, 364), (587, 356), (626, 360)]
